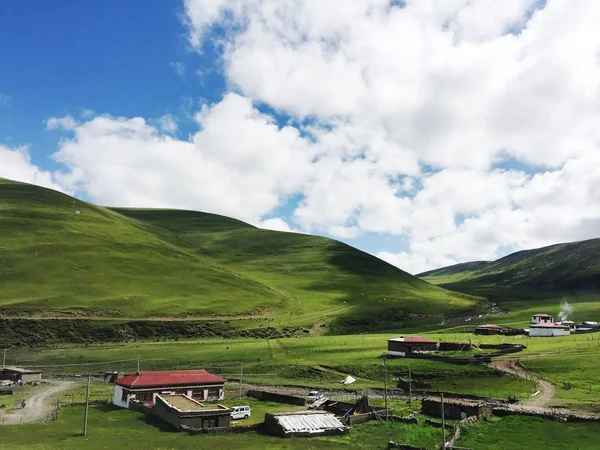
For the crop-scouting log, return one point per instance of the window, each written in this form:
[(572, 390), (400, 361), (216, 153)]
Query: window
[(209, 423), (124, 395), (213, 392)]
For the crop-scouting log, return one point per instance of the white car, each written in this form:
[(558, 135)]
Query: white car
[(313, 396), (240, 412)]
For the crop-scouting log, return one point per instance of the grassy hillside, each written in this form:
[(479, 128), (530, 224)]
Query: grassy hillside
[(59, 255), (570, 267)]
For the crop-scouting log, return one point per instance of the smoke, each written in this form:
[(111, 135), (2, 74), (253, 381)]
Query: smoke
[(565, 310)]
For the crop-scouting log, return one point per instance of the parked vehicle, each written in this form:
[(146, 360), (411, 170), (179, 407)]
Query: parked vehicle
[(240, 412), (313, 396)]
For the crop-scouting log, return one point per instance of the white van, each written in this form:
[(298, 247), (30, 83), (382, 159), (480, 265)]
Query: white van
[(313, 396), (240, 412)]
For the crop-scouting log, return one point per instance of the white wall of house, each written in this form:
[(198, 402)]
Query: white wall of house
[(538, 319), (546, 332), (117, 397), (392, 353)]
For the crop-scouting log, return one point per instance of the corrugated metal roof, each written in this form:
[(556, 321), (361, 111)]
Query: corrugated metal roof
[(168, 378), (308, 423)]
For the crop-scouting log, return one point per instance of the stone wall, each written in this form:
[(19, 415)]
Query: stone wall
[(280, 398)]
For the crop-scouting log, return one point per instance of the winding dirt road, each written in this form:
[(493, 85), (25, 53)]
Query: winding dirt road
[(38, 405), (545, 388)]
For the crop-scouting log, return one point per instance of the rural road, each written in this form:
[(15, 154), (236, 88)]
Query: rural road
[(38, 406), (545, 388)]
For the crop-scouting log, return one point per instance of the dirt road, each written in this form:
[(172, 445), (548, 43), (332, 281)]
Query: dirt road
[(38, 405), (545, 388)]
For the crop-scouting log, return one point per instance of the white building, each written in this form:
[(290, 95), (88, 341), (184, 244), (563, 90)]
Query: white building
[(542, 318), (548, 329)]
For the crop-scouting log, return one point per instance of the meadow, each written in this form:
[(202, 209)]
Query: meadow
[(111, 427)]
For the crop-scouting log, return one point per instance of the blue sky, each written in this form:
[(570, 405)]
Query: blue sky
[(424, 138)]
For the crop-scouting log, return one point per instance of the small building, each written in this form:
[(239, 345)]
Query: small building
[(454, 408), (542, 318), (304, 424), (568, 323), (184, 412), (145, 386), (548, 330), (489, 329), (19, 374), (406, 345)]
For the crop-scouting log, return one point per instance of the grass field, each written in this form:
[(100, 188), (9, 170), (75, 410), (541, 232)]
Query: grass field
[(109, 427), (61, 257), (518, 432)]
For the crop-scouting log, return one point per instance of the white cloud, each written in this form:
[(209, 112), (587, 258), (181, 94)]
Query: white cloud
[(66, 123), (178, 67), (276, 224), (239, 164), (457, 85), (167, 124), (15, 164)]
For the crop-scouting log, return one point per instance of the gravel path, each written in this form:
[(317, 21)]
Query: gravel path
[(545, 388), (38, 405)]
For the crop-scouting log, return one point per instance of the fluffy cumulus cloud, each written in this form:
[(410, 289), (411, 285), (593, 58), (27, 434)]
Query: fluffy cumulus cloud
[(15, 164), (466, 128)]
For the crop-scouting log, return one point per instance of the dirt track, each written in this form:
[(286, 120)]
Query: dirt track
[(545, 388), (38, 406)]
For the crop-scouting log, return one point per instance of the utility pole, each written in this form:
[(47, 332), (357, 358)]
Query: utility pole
[(87, 404), (409, 387), (241, 377), (138, 365), (4, 358), (443, 424), (363, 347), (385, 388)]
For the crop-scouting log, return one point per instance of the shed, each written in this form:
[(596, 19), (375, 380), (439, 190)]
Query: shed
[(304, 424), (20, 374), (183, 412), (542, 318), (145, 386), (454, 408), (406, 345)]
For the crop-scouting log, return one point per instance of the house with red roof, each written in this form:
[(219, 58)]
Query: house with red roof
[(404, 345), (145, 386)]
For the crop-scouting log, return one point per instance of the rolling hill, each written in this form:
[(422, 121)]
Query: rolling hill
[(64, 258), (568, 267)]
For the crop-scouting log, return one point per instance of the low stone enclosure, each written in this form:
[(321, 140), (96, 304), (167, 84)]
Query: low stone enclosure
[(481, 358)]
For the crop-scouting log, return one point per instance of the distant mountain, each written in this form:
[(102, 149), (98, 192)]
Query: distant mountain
[(571, 266), (61, 257)]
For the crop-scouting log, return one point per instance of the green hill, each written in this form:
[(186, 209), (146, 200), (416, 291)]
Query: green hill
[(569, 267), (62, 257)]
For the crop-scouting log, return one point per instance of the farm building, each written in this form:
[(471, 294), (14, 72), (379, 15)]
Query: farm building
[(542, 318), (304, 424), (454, 408), (18, 374), (184, 412), (549, 329), (145, 386), (405, 345)]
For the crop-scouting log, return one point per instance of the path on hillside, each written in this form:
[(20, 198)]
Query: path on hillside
[(38, 405), (545, 388)]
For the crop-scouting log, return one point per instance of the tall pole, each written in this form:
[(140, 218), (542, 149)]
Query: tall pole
[(409, 387), (87, 404), (241, 377), (443, 424), (4, 359), (138, 365), (385, 389), (363, 347)]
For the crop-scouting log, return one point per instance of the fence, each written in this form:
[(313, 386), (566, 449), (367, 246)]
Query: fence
[(280, 398)]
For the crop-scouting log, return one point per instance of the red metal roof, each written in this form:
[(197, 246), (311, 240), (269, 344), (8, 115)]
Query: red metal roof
[(168, 378), (413, 340)]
